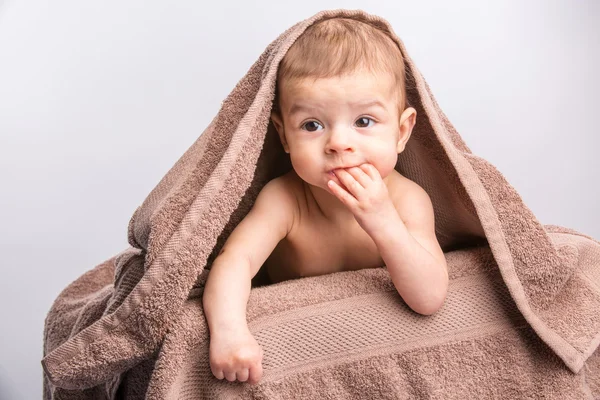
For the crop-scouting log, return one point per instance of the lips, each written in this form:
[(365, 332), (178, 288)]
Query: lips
[(350, 166), (333, 175)]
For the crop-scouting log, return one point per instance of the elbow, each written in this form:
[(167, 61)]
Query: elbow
[(429, 309), (435, 302)]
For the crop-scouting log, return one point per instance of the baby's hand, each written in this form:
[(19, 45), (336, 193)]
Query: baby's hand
[(366, 195), (235, 354)]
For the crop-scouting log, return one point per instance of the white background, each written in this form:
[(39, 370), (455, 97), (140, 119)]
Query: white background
[(99, 99)]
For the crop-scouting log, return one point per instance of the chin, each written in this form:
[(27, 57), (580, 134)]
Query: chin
[(321, 182), (312, 179)]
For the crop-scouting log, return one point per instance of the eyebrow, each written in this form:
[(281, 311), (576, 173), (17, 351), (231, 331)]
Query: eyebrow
[(358, 104)]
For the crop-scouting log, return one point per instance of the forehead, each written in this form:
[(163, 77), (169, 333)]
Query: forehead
[(356, 89)]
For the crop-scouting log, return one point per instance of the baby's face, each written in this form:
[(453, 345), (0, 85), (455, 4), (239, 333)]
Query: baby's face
[(333, 123)]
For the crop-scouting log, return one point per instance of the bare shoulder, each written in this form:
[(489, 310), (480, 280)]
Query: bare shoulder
[(412, 202), (269, 221), (282, 192), (407, 191)]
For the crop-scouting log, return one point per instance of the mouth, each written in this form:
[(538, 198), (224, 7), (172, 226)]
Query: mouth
[(332, 174), (334, 177), (336, 168), (331, 171)]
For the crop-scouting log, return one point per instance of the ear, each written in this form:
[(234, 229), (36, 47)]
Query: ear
[(407, 123), (278, 123)]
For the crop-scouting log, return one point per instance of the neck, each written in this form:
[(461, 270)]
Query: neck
[(328, 205)]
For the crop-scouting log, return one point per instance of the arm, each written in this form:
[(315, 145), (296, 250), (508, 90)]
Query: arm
[(407, 242), (412, 254), (226, 293), (228, 285)]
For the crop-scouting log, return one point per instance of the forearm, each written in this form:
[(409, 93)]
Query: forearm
[(419, 278), (226, 293)]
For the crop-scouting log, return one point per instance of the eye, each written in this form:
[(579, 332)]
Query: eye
[(315, 122), (363, 118), (309, 122)]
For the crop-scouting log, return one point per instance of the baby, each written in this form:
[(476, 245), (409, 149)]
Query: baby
[(343, 118)]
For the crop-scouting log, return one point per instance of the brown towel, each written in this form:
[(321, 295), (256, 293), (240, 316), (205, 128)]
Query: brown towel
[(520, 320)]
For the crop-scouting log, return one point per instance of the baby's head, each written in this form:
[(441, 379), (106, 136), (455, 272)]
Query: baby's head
[(321, 111)]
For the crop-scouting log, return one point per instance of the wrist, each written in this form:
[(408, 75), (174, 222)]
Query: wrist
[(386, 228)]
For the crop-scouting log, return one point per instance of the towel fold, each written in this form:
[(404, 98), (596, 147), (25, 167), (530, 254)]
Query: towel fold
[(520, 320)]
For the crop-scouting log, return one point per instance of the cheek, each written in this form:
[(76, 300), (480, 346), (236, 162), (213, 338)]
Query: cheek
[(301, 162), (386, 162)]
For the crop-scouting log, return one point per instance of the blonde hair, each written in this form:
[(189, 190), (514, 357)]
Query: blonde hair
[(338, 46)]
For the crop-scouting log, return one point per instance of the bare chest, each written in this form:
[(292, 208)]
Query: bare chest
[(317, 247)]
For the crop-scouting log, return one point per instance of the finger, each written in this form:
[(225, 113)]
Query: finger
[(218, 373), (360, 175), (255, 374), (371, 171), (348, 180), (341, 194), (230, 375), (242, 375)]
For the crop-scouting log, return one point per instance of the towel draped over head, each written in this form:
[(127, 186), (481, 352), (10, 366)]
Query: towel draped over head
[(143, 305)]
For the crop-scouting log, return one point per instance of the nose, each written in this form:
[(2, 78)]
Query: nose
[(340, 141)]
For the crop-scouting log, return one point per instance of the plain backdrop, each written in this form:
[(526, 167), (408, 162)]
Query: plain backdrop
[(99, 99)]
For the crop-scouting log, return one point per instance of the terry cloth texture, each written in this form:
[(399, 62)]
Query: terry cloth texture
[(520, 320)]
